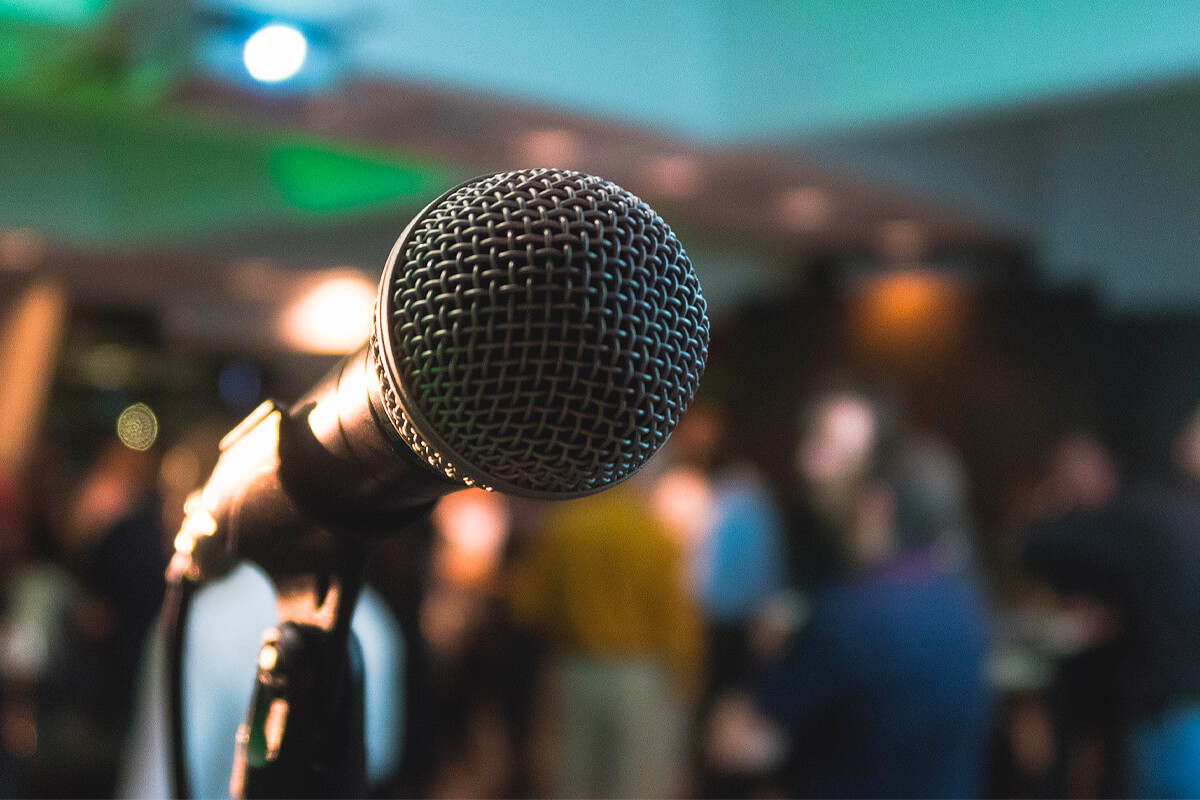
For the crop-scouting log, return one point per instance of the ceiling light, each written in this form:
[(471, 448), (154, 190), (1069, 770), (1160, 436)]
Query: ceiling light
[(550, 148), (674, 177), (805, 209), (275, 53)]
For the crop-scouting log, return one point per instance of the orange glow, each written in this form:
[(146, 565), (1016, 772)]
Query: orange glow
[(29, 340), (333, 317), (201, 523), (184, 543), (268, 657), (474, 526), (910, 313), (682, 499), (192, 503), (905, 299), (276, 723)]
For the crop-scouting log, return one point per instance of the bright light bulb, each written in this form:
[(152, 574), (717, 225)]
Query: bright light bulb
[(275, 53)]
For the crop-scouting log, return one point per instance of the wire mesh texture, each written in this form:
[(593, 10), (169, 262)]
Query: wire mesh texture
[(544, 331)]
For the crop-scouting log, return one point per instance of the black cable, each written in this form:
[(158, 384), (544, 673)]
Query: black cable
[(175, 609)]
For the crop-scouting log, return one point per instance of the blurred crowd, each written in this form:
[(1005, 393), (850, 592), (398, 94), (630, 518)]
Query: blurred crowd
[(701, 630)]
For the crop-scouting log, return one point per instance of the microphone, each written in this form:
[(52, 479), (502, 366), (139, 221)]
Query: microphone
[(537, 332)]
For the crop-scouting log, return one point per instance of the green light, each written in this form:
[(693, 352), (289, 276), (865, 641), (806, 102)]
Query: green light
[(318, 179), (16, 54), (57, 12), (95, 168)]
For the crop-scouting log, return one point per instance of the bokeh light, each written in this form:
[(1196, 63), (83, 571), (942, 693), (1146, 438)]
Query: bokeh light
[(332, 317), (474, 527), (914, 315), (555, 147), (674, 176), (21, 249), (805, 209), (275, 53), (137, 427)]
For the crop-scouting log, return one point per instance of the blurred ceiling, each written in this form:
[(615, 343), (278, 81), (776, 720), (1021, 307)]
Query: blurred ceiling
[(763, 131)]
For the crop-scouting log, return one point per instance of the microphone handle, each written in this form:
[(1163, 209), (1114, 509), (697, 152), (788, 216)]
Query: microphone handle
[(292, 485)]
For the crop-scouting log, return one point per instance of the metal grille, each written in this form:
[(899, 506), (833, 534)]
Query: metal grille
[(548, 327)]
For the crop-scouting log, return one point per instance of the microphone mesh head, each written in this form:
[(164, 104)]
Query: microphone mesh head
[(539, 332)]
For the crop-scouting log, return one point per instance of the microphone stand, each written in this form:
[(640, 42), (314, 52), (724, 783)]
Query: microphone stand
[(304, 733), (304, 736)]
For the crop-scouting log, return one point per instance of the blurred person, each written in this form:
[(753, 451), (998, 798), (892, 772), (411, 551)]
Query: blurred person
[(479, 700), (80, 598), (840, 430), (602, 580), (116, 534), (1068, 736), (737, 561), (13, 522), (932, 503), (27, 641), (43, 720), (1082, 477), (1130, 574), (881, 691)]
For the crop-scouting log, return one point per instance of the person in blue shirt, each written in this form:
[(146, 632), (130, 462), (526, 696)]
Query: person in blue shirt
[(737, 564), (742, 563), (882, 691)]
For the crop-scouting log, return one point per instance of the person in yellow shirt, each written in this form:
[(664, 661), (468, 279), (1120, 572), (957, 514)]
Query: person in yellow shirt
[(603, 582)]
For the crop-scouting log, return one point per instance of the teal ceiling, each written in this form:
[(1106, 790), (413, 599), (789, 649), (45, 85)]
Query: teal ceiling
[(731, 70)]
